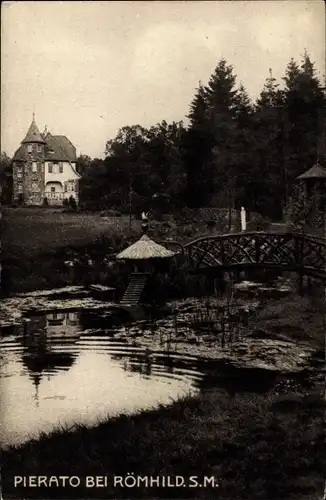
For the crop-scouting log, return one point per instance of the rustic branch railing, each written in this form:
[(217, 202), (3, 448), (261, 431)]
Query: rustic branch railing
[(317, 220), (302, 253)]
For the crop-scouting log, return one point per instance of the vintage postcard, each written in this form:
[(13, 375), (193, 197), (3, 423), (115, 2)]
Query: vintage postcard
[(163, 250)]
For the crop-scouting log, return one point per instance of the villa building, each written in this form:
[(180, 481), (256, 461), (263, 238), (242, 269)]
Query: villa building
[(44, 169)]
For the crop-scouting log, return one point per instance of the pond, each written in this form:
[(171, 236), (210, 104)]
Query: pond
[(85, 363), (55, 374)]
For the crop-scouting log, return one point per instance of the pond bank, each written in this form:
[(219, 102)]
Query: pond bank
[(257, 446)]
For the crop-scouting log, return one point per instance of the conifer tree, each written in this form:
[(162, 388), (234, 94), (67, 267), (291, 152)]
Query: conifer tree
[(304, 115), (243, 151), (229, 110), (268, 172), (197, 146)]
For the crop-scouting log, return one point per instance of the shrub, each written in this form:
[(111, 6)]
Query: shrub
[(258, 223), (72, 203)]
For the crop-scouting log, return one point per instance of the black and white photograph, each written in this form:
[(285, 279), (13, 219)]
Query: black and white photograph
[(163, 250)]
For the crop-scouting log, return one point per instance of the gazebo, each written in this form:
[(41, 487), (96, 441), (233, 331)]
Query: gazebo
[(313, 188), (313, 180), (146, 256)]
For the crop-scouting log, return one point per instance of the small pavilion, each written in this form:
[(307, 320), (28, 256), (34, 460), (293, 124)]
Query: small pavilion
[(146, 258), (313, 181), (313, 188)]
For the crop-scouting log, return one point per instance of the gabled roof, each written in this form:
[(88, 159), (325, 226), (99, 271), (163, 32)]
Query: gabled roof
[(53, 150), (33, 134), (67, 146), (63, 149), (315, 172)]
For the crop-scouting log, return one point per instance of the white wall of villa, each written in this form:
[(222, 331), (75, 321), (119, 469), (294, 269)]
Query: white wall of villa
[(68, 171), (61, 180)]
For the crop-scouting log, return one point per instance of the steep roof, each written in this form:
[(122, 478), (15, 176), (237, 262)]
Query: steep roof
[(20, 154), (60, 151), (33, 134), (145, 248), (67, 146), (315, 172), (53, 149)]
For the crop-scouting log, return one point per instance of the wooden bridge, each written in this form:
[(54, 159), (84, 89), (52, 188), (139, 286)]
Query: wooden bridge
[(297, 252)]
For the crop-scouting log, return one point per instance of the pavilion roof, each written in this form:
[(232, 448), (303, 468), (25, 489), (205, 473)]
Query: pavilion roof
[(145, 248), (315, 172)]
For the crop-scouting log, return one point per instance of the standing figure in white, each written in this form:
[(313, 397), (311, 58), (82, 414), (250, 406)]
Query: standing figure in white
[(243, 219)]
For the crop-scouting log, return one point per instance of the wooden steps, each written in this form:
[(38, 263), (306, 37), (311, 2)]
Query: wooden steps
[(134, 289)]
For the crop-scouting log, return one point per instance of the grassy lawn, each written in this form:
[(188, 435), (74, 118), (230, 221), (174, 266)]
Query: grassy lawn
[(256, 446), (28, 232), (37, 241)]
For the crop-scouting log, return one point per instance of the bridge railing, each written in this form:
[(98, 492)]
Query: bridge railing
[(292, 251)]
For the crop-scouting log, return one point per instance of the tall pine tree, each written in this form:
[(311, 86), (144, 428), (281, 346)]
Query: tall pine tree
[(304, 116), (243, 150), (268, 173), (197, 146), (222, 98)]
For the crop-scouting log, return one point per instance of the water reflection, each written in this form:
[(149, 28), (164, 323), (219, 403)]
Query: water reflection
[(39, 333), (63, 323), (67, 367), (56, 372)]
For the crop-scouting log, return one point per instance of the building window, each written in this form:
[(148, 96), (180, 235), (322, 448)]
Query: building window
[(19, 174), (30, 148), (52, 189), (19, 187), (60, 167), (50, 168), (34, 166), (39, 148)]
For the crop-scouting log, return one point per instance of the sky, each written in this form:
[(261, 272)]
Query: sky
[(89, 68)]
